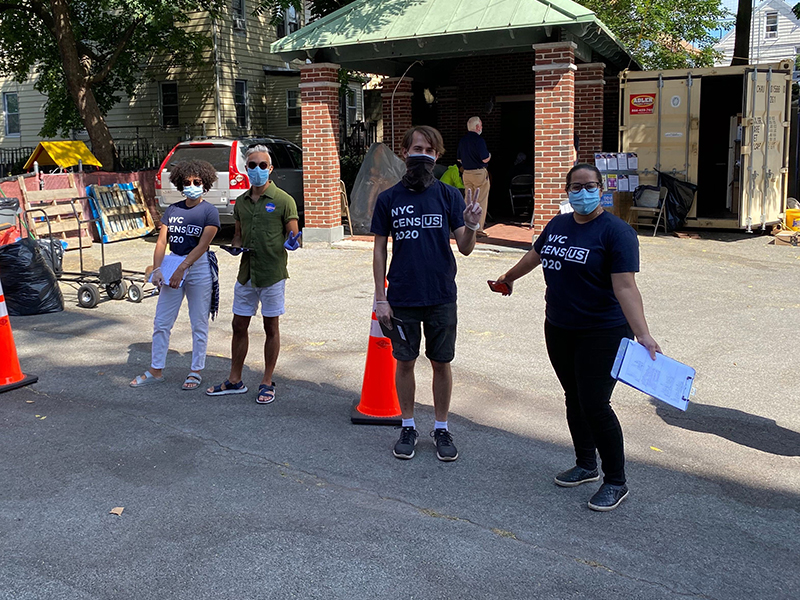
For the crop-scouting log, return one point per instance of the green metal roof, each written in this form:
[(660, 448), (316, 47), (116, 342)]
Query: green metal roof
[(369, 33)]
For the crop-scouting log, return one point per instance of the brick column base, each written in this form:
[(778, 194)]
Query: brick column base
[(553, 117), (319, 94), (396, 118), (589, 85)]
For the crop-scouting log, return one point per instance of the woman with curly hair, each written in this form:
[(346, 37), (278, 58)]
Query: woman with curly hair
[(188, 227)]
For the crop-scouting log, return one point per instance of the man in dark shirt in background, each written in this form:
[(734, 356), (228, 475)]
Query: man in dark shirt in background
[(474, 156)]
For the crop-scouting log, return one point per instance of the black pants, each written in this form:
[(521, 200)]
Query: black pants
[(582, 360)]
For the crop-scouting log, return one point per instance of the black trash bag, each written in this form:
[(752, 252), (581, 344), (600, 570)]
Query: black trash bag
[(53, 253), (29, 284), (680, 197)]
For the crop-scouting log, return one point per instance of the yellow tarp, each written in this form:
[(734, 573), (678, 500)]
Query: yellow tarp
[(63, 154)]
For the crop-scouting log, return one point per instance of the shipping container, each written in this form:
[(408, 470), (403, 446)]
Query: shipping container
[(724, 129)]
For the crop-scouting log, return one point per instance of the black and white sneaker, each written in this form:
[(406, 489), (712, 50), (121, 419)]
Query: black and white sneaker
[(445, 448), (608, 497), (404, 448), (576, 476)]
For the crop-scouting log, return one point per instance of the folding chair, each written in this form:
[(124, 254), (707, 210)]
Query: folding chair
[(520, 192), (649, 206)]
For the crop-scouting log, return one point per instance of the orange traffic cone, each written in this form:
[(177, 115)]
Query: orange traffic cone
[(11, 376), (379, 404)]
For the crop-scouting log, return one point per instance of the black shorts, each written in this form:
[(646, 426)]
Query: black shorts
[(439, 322)]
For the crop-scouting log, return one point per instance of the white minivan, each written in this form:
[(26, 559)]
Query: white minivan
[(227, 157)]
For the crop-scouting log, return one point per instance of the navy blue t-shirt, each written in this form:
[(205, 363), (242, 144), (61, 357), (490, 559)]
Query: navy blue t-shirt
[(423, 268), (472, 151), (578, 260), (185, 225)]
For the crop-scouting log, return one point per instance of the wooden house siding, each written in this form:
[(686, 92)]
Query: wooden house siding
[(242, 54), (762, 49)]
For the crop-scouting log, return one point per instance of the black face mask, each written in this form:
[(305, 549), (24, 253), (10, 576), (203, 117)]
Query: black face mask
[(419, 172)]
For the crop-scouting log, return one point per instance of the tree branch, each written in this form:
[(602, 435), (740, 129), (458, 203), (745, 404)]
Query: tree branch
[(36, 8), (123, 42)]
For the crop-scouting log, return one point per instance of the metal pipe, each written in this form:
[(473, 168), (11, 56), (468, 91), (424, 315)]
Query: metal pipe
[(658, 135), (750, 172), (765, 168), (688, 123), (391, 104)]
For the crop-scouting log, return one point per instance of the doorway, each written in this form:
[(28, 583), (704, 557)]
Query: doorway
[(516, 133), (719, 151)]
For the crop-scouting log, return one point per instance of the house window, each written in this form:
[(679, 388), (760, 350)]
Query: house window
[(293, 108), (352, 107), (168, 97), (239, 15), (289, 22), (772, 25), (11, 113), (240, 102)]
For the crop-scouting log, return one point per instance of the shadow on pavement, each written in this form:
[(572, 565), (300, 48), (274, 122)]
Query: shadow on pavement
[(737, 426)]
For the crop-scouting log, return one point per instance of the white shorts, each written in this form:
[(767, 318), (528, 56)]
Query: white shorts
[(246, 299)]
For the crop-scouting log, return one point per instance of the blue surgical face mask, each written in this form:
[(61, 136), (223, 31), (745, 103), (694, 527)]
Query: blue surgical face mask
[(192, 192), (584, 202), (258, 176)]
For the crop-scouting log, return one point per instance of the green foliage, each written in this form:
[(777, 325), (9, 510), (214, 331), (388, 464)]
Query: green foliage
[(663, 34), (317, 8), (796, 10), (159, 40)]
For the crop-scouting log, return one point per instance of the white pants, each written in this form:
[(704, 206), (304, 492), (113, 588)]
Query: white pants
[(197, 289)]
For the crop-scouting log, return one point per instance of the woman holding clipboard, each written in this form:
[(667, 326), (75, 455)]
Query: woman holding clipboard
[(189, 270), (589, 258)]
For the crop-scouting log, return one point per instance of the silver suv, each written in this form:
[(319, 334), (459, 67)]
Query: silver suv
[(227, 156)]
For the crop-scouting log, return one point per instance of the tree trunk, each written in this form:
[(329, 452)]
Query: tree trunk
[(741, 46), (80, 90)]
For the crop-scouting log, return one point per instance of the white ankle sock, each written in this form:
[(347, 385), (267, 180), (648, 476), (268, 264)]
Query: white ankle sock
[(439, 424), (409, 423)]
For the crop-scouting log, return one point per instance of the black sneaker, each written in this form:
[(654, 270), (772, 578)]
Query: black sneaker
[(608, 497), (445, 449), (576, 476), (404, 448)]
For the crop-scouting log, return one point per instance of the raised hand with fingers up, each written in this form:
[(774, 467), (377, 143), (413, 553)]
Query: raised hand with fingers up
[(293, 241), (472, 213)]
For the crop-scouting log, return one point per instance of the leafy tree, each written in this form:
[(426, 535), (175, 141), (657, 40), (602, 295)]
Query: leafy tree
[(796, 10), (663, 34), (84, 52)]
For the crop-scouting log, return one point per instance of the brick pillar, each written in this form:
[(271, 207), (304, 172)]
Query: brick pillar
[(319, 96), (450, 125), (589, 120), (401, 115), (553, 117)]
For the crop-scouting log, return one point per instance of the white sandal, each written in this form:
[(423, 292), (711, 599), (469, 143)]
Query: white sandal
[(147, 379), (193, 377)]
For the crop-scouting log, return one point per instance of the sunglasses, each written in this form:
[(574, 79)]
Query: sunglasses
[(197, 182), (262, 165)]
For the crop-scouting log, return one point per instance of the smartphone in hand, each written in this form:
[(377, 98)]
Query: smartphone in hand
[(500, 287)]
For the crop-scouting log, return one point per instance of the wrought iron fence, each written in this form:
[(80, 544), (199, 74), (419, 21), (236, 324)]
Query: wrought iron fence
[(13, 159), (142, 155), (361, 136)]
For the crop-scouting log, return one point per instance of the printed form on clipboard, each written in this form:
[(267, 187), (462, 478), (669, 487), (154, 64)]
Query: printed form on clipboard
[(664, 378), (168, 266)]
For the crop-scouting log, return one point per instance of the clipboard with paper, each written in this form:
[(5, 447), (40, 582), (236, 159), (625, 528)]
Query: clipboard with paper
[(168, 266), (664, 378)]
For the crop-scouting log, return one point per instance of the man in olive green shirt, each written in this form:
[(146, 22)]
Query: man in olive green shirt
[(264, 216)]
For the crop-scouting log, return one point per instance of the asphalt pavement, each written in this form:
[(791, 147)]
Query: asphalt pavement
[(224, 498)]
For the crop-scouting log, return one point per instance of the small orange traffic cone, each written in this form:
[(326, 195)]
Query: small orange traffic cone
[(379, 404), (11, 376)]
